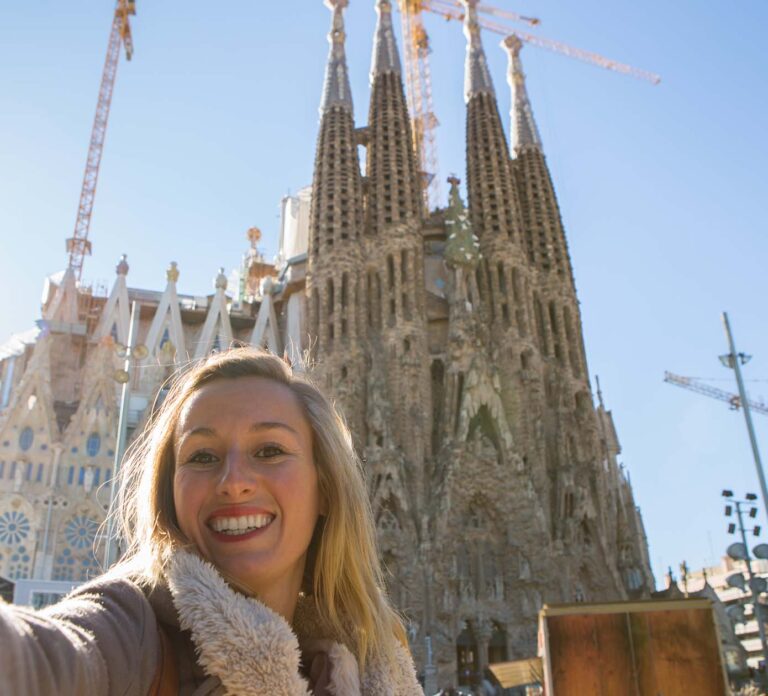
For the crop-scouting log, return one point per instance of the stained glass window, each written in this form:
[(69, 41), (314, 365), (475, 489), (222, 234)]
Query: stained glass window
[(14, 527), (93, 445), (80, 532), (25, 438)]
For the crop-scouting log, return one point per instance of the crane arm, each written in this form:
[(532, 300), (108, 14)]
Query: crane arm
[(447, 10), (732, 399), (498, 12), (78, 246)]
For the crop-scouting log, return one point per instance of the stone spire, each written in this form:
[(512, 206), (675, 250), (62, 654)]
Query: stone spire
[(490, 182), (335, 231), (477, 78), (385, 55), (523, 130), (394, 193), (545, 242), (336, 89)]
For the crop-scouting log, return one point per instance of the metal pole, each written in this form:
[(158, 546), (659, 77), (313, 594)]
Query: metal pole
[(122, 429), (734, 363), (756, 602)]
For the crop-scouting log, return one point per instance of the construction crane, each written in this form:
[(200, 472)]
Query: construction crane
[(733, 400), (419, 80), (78, 245), (418, 83)]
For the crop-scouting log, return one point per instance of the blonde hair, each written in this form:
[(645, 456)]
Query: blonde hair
[(343, 570)]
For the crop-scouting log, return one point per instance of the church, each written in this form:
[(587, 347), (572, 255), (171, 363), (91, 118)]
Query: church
[(450, 338)]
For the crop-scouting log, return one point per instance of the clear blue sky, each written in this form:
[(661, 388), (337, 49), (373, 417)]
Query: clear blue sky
[(662, 189)]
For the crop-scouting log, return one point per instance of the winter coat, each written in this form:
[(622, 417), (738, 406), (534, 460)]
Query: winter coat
[(103, 639)]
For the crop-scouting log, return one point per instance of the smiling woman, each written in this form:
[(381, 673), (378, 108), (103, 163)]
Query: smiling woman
[(251, 565)]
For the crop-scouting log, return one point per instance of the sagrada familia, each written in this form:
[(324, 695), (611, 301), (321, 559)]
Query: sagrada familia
[(451, 339)]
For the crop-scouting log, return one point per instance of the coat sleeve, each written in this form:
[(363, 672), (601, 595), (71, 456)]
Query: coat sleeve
[(101, 640)]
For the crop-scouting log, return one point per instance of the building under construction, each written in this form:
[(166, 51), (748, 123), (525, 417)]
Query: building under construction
[(451, 338)]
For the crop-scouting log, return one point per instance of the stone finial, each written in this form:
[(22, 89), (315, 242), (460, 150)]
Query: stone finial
[(172, 274), (385, 55), (122, 266), (221, 280), (477, 77), (254, 236), (462, 248), (336, 89), (523, 130)]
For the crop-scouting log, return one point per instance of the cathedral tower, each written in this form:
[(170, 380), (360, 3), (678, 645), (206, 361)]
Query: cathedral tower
[(395, 295), (336, 229)]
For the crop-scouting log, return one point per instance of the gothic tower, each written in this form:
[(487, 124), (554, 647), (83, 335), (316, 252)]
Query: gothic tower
[(336, 229), (396, 446)]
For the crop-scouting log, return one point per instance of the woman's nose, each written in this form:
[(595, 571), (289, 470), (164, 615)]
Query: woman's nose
[(237, 477)]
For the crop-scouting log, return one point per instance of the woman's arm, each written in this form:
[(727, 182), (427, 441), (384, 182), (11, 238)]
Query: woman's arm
[(100, 640)]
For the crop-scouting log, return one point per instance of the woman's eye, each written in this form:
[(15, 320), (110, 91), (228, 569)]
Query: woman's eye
[(270, 451), (201, 458)]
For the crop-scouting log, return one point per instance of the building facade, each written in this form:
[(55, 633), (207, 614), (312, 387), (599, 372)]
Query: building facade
[(451, 339)]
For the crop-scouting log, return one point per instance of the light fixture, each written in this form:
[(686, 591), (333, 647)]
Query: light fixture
[(726, 360), (728, 510), (727, 494), (751, 496)]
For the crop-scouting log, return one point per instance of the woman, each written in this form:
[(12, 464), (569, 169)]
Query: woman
[(251, 565)]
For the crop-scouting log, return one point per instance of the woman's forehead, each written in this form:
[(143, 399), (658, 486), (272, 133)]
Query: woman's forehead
[(243, 399)]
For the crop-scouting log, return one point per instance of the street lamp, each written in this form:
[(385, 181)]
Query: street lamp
[(734, 361), (740, 551), (132, 353)]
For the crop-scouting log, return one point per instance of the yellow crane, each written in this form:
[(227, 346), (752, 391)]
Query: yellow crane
[(78, 245), (419, 80)]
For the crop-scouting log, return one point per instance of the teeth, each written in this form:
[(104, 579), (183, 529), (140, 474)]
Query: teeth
[(241, 524)]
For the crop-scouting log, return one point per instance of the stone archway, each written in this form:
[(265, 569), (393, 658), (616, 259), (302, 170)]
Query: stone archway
[(467, 658)]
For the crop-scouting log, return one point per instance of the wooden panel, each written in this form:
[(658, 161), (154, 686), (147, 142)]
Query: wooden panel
[(591, 655), (682, 652), (518, 673), (644, 653)]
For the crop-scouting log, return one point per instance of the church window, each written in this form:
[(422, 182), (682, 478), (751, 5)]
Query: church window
[(80, 532), (540, 329), (2, 468), (81, 476), (28, 473), (14, 527), (166, 337), (71, 475), (12, 475), (459, 396), (330, 297), (25, 438), (93, 444), (406, 345), (390, 272)]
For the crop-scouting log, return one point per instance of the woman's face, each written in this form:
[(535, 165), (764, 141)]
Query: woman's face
[(245, 484)]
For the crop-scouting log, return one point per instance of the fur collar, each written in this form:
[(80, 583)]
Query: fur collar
[(253, 650)]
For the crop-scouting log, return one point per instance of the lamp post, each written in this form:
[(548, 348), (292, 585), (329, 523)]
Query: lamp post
[(131, 353), (735, 360), (740, 551)]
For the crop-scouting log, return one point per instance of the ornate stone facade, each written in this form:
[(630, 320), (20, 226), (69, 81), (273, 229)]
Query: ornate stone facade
[(451, 339)]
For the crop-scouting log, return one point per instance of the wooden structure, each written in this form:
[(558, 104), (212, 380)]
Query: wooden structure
[(646, 648)]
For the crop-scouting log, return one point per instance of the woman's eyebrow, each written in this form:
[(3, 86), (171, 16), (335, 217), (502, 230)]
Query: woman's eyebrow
[(204, 431)]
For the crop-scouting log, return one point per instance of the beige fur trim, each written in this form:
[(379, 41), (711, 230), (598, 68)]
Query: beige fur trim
[(250, 648), (253, 650)]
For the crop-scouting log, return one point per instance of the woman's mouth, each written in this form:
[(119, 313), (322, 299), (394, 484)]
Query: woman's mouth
[(240, 527)]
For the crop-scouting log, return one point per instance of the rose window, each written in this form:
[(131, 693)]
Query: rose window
[(14, 527)]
